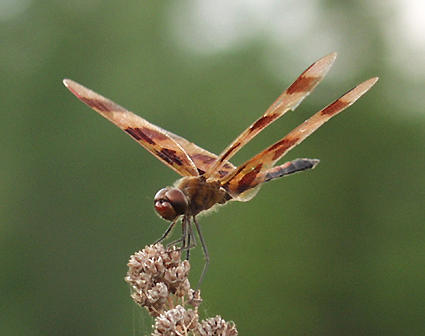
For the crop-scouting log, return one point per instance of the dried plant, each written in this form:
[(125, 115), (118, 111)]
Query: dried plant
[(159, 282)]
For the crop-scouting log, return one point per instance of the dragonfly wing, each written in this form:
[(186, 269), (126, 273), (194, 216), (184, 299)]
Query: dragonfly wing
[(245, 176), (150, 136), (288, 100)]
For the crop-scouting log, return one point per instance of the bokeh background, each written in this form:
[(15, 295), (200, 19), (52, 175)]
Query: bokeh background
[(335, 251)]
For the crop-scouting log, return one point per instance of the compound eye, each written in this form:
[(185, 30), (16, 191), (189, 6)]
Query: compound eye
[(170, 203), (177, 199), (164, 208)]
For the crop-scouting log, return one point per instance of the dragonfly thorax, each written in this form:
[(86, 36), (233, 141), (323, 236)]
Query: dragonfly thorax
[(202, 194)]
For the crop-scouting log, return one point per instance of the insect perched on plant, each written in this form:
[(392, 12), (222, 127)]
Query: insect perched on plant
[(209, 179)]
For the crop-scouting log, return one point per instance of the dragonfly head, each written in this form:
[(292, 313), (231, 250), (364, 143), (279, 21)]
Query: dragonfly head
[(170, 203)]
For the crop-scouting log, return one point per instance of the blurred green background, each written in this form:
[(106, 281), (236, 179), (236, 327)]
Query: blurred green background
[(335, 251)]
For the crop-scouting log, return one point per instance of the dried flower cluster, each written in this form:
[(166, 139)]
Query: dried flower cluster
[(217, 326), (177, 321), (154, 274), (159, 282)]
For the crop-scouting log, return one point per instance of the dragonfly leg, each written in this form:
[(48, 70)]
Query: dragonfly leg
[(204, 249), (166, 233)]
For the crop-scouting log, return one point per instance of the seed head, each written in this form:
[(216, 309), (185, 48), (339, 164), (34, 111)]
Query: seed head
[(177, 321), (159, 282), (154, 273), (216, 326)]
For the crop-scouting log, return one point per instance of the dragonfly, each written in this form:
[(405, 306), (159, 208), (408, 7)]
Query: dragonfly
[(207, 179)]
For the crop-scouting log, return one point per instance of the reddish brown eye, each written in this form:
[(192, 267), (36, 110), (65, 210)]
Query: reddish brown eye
[(177, 199), (170, 203), (165, 209)]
